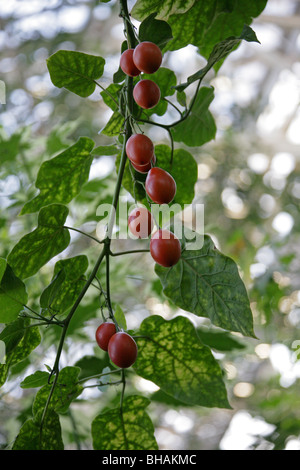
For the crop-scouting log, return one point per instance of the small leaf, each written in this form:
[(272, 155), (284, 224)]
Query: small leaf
[(12, 334), (120, 317), (171, 355), (114, 125), (219, 52), (92, 365), (156, 31), (199, 127), (13, 295), (38, 379), (129, 428), (67, 282), (105, 150), (75, 71), (207, 283), (61, 178), (66, 390), (30, 340), (31, 438), (219, 340), (36, 248)]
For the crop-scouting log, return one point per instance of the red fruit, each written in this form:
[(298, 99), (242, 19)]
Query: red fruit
[(139, 149), (147, 57), (146, 94), (145, 168), (140, 222), (160, 186), (122, 350), (127, 64), (165, 248), (103, 334)]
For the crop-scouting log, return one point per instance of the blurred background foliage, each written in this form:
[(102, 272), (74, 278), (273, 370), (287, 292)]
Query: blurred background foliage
[(248, 181)]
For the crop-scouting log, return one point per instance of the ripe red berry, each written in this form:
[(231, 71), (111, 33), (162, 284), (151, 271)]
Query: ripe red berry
[(147, 57), (165, 248), (139, 149), (145, 168), (127, 64), (140, 222), (103, 334), (160, 186), (122, 350), (146, 94)]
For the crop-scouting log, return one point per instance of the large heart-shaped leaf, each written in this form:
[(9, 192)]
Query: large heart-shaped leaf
[(207, 283), (36, 248), (171, 355), (61, 178), (13, 295), (126, 428), (75, 71)]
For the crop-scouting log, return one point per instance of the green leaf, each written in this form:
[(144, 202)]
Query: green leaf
[(92, 365), (205, 24), (114, 125), (207, 283), (66, 390), (129, 428), (219, 340), (30, 340), (184, 170), (171, 355), (12, 146), (31, 438), (162, 9), (120, 317), (67, 282), (38, 379), (75, 71), (105, 150), (61, 178), (156, 31), (219, 52), (36, 248), (199, 127), (13, 295), (12, 334)]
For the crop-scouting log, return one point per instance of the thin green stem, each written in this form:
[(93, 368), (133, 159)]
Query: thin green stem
[(105, 252), (83, 233), (98, 376), (129, 252)]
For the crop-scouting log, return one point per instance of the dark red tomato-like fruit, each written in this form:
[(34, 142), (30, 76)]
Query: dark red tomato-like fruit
[(140, 222), (160, 186), (122, 350), (147, 57), (165, 248), (146, 94), (103, 334), (139, 149), (127, 64), (145, 168)]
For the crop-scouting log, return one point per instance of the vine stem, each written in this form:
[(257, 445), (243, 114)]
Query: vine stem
[(105, 252)]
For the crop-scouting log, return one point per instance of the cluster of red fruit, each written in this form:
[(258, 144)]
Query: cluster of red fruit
[(160, 186), (121, 347)]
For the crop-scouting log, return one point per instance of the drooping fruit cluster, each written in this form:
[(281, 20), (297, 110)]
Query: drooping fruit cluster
[(160, 186), (146, 58), (121, 347)]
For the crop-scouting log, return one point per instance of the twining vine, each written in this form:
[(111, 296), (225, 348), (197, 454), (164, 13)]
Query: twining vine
[(160, 348)]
